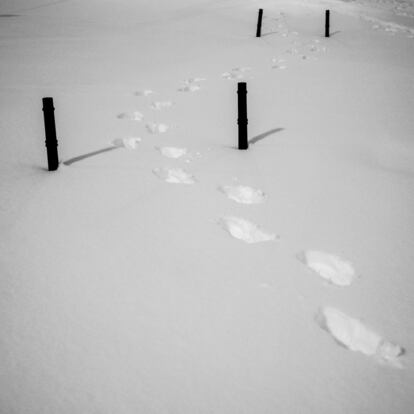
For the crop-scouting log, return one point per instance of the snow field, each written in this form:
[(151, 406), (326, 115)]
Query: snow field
[(347, 331), (157, 309)]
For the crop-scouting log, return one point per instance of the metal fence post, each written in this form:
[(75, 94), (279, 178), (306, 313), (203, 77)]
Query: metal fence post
[(50, 131), (242, 115)]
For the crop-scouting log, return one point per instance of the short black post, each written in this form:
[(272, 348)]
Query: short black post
[(50, 131), (327, 23), (242, 119), (259, 23)]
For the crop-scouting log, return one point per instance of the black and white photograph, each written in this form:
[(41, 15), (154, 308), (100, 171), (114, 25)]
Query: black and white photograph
[(206, 206)]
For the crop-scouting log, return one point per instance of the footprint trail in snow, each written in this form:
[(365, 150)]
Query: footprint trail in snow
[(243, 194), (330, 267), (355, 336), (389, 27), (245, 230), (302, 50)]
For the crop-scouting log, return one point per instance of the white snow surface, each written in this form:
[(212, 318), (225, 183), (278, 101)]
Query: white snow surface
[(119, 293)]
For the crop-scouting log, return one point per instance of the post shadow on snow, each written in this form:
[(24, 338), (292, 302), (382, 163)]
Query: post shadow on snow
[(269, 33), (259, 137), (51, 3), (9, 15), (89, 154)]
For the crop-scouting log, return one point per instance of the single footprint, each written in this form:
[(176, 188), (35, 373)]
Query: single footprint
[(172, 152), (355, 336), (145, 92), (243, 194), (194, 80), (189, 88), (159, 105), (128, 143), (191, 85), (154, 128), (192, 156), (292, 51), (245, 230), (174, 175), (314, 46), (236, 73), (330, 267), (278, 63), (131, 116)]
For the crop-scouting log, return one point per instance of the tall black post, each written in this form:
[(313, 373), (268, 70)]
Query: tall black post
[(327, 23), (259, 23), (242, 118), (50, 131)]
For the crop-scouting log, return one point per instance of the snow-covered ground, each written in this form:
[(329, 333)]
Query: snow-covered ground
[(160, 270)]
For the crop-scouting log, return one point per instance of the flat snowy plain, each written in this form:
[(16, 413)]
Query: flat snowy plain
[(162, 271)]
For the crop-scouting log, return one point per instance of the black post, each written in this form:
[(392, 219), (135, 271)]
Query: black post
[(327, 23), (259, 23), (50, 131), (242, 119)]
